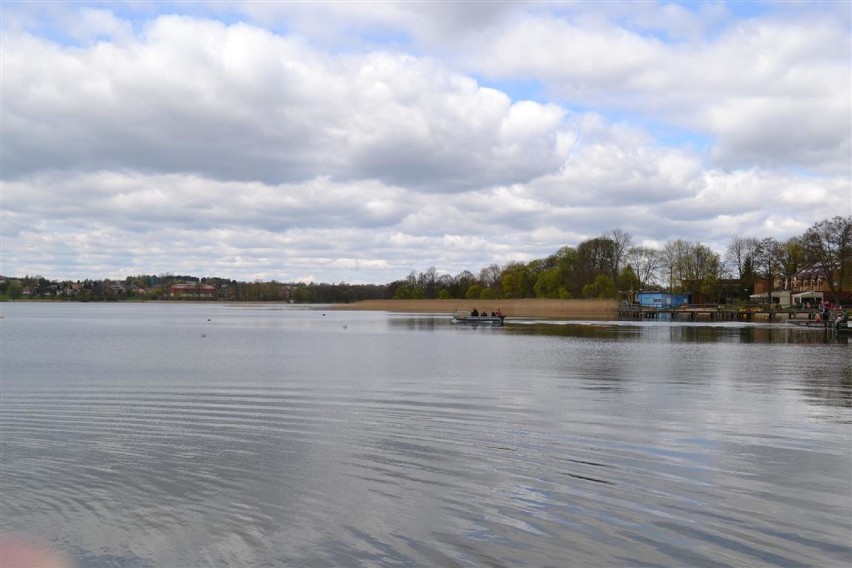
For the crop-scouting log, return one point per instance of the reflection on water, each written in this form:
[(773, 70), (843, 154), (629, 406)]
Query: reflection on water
[(186, 435), (648, 331)]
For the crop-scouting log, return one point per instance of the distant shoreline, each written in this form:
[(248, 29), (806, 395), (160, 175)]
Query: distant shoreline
[(540, 308)]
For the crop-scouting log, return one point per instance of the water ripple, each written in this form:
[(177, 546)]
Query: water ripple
[(367, 448)]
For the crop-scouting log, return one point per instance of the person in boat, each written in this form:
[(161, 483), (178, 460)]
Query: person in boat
[(474, 313), (499, 313)]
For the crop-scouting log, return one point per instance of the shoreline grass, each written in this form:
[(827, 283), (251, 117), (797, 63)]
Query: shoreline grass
[(528, 307)]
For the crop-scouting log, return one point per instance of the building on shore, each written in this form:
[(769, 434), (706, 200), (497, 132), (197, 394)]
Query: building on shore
[(192, 291), (657, 299), (812, 285)]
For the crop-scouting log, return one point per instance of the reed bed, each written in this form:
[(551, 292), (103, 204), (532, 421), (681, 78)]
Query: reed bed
[(524, 308)]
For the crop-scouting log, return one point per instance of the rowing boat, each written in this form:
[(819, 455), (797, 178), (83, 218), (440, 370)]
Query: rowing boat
[(466, 318)]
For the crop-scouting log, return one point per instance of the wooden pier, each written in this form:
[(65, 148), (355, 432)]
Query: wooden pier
[(711, 312)]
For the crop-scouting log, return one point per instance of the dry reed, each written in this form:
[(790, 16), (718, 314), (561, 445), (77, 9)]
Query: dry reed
[(526, 308)]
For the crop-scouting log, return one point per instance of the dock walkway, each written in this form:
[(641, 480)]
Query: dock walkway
[(712, 312)]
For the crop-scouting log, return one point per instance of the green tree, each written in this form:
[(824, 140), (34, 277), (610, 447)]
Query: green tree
[(549, 284), (14, 290), (403, 293), (474, 292), (461, 283), (628, 280), (517, 280), (594, 257), (704, 268), (603, 288), (303, 295)]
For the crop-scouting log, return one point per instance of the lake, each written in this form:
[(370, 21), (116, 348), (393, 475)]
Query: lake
[(166, 435)]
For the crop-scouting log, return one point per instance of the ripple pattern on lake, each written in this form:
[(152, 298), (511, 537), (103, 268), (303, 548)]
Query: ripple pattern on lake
[(272, 438)]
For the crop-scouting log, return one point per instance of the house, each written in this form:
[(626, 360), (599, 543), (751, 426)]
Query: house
[(655, 299), (783, 298), (193, 291), (810, 285)]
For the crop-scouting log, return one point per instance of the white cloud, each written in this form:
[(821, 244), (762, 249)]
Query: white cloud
[(239, 103), (774, 91), (334, 142)]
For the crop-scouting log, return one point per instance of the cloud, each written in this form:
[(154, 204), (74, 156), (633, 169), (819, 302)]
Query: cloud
[(773, 91), (238, 103), (144, 203), (331, 142)]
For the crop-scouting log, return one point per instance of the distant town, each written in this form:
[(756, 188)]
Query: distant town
[(815, 266)]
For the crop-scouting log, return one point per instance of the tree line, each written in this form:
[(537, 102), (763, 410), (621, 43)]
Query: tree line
[(609, 266), (605, 267)]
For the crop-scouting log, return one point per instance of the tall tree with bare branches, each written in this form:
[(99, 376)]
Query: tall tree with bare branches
[(828, 244), (621, 242)]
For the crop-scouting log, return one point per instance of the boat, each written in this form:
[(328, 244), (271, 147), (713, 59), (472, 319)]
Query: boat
[(466, 318)]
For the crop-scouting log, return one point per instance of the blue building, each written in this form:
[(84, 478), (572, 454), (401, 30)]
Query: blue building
[(661, 299)]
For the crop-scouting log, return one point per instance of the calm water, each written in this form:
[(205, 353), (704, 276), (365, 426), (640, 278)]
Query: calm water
[(212, 435)]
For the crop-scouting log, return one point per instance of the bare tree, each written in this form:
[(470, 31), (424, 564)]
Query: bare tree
[(740, 255), (764, 260), (594, 257), (790, 256), (428, 282), (828, 244), (672, 268), (621, 244), (489, 275), (645, 262)]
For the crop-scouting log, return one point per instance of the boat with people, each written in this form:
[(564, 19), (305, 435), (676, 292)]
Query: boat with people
[(474, 317)]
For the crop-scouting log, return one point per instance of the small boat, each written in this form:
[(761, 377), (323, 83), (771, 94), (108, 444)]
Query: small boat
[(466, 318)]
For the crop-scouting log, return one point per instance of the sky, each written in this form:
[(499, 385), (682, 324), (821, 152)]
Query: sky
[(360, 141)]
